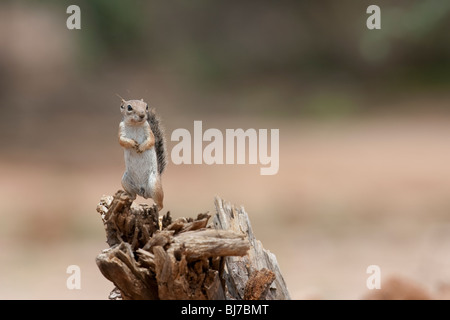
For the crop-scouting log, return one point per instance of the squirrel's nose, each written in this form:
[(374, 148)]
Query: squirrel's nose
[(142, 116)]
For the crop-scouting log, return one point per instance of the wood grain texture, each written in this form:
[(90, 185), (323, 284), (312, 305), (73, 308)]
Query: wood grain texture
[(239, 269)]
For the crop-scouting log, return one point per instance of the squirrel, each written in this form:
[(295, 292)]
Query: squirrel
[(142, 137)]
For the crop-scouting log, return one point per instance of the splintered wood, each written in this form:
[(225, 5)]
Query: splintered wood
[(258, 262), (153, 258)]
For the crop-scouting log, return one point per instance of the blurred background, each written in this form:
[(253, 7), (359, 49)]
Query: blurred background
[(364, 120)]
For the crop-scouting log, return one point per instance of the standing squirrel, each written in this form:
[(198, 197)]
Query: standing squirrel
[(142, 137)]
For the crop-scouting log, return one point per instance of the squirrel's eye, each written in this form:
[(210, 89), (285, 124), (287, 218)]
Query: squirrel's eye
[(146, 108), (130, 108)]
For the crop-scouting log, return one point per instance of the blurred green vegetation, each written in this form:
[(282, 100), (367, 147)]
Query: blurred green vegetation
[(294, 47), (221, 41)]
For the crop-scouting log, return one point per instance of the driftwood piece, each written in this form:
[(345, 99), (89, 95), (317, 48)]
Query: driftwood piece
[(239, 269), (152, 257)]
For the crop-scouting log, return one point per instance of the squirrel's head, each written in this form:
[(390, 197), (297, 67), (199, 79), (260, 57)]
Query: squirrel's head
[(134, 111)]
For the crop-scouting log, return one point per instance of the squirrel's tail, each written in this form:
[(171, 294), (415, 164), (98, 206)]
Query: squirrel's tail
[(160, 141)]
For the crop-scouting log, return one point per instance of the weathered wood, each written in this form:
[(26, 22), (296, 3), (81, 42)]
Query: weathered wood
[(118, 266), (208, 243), (258, 284), (153, 258), (124, 223), (240, 269)]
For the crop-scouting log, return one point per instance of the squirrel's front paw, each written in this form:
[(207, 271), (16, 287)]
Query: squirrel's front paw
[(141, 148), (134, 145)]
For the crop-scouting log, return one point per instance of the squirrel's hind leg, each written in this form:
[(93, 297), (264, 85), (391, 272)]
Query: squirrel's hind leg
[(129, 187), (158, 194), (154, 190)]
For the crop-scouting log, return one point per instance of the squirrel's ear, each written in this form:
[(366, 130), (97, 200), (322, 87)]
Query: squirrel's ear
[(122, 100), (142, 100)]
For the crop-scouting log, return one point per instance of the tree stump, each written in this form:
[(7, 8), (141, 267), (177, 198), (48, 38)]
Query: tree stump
[(152, 257)]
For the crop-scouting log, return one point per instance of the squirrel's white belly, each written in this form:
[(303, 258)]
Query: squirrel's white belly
[(141, 168)]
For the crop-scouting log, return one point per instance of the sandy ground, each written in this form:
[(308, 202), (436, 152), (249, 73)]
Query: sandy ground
[(349, 194)]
